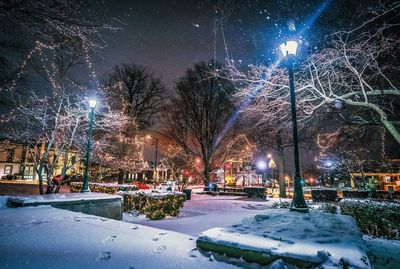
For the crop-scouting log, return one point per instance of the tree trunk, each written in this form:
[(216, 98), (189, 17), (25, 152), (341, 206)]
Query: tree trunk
[(40, 182), (206, 176), (120, 176)]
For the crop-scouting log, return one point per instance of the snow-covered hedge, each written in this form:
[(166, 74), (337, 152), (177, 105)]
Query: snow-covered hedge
[(324, 195), (374, 218), (103, 187), (154, 205)]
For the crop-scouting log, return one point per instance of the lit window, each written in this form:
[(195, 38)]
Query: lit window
[(8, 169)]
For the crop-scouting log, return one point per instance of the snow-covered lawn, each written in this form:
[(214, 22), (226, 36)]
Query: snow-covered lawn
[(204, 212), (45, 237)]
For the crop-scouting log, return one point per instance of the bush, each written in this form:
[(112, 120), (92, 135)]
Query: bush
[(102, 187), (374, 218), (362, 194), (281, 205), (324, 195), (328, 208), (154, 205), (256, 192)]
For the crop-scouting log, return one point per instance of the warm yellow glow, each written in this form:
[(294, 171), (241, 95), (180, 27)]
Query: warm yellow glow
[(289, 48)]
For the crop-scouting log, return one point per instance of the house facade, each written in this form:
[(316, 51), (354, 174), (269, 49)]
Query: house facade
[(17, 163)]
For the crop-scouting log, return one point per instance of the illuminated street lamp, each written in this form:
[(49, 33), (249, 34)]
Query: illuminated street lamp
[(85, 186), (262, 167), (289, 51), (155, 174)]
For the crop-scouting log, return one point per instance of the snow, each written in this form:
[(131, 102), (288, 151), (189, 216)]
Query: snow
[(47, 237), (203, 212), (316, 236), (3, 201), (383, 253), (152, 193), (66, 197), (90, 241)]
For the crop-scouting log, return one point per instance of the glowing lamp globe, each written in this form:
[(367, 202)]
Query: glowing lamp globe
[(289, 48), (262, 165), (92, 103)]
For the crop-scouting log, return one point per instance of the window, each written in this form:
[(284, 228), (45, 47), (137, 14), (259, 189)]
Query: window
[(10, 155), (28, 172), (8, 169)]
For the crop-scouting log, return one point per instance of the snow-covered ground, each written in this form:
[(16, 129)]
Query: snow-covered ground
[(322, 238), (204, 212), (45, 237), (383, 253)]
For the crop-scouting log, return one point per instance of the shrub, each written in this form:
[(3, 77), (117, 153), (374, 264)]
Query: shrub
[(281, 205), (324, 195), (374, 218), (328, 208), (257, 192), (153, 205), (362, 194), (102, 187)]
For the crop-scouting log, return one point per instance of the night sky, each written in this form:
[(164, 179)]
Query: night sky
[(169, 36)]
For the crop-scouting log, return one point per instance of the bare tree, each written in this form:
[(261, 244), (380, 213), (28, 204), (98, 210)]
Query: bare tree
[(135, 91), (197, 117), (354, 79), (25, 23), (120, 147), (137, 94), (50, 129)]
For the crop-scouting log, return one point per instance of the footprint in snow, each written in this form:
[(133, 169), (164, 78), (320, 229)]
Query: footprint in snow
[(109, 239), (158, 236), (193, 253), (159, 249), (103, 257)]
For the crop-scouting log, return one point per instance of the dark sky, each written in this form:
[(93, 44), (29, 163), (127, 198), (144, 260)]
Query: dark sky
[(169, 36)]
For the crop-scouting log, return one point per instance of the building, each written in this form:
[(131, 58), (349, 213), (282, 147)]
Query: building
[(16, 161)]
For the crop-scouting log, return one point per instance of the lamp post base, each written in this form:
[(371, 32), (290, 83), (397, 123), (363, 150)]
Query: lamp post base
[(298, 202), (299, 209), (85, 190)]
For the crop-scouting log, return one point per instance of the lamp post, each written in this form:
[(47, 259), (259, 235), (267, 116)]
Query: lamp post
[(289, 51), (155, 174), (262, 166), (85, 186)]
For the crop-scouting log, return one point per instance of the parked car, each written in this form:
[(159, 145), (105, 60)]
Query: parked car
[(68, 179), (140, 185), (55, 180), (11, 177), (167, 186)]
